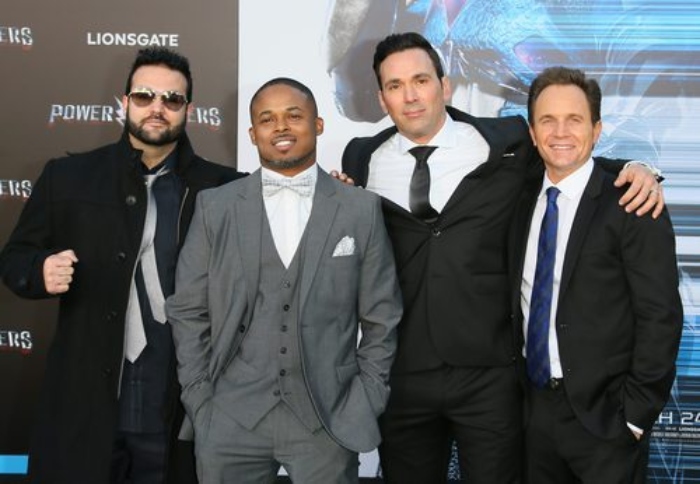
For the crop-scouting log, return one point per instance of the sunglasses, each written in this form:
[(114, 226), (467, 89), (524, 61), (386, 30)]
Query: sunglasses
[(143, 97)]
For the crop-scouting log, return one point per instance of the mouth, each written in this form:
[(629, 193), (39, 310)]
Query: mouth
[(414, 113), (283, 144), (159, 122), (561, 147)]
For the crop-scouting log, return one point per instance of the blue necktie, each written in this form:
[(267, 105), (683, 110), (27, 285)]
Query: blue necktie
[(541, 302)]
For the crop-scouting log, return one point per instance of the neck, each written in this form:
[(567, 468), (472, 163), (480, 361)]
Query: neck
[(152, 155)]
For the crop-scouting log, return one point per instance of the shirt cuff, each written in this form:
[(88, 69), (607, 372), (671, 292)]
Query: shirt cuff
[(634, 428), (654, 171)]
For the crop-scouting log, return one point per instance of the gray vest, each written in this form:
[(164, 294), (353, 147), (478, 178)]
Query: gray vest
[(267, 368)]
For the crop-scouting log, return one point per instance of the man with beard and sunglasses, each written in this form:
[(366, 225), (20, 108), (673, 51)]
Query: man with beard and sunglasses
[(102, 231)]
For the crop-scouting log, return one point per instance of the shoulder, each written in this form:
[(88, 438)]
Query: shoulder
[(226, 192), (81, 169), (515, 126), (214, 171)]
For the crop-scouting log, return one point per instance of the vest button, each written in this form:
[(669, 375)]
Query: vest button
[(284, 328), (241, 329), (287, 284), (283, 372), (286, 307), (283, 350), (276, 393)]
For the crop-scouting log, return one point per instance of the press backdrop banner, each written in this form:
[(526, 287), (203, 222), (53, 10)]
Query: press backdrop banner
[(63, 69), (64, 66)]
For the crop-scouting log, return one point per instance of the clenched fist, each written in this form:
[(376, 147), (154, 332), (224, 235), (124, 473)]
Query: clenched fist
[(58, 271)]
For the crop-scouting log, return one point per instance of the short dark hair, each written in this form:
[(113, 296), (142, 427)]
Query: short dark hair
[(287, 82), (398, 43), (160, 56), (564, 76)]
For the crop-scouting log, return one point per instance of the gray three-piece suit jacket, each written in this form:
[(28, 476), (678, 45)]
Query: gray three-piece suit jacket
[(347, 282)]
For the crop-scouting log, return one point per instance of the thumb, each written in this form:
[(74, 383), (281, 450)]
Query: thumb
[(70, 254)]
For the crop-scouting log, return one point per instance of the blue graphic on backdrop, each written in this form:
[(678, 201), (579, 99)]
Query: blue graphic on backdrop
[(646, 57)]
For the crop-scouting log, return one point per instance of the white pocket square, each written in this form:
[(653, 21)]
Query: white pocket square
[(345, 247)]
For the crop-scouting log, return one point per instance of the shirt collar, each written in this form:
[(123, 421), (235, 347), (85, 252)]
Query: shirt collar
[(445, 138), (312, 171), (573, 185)]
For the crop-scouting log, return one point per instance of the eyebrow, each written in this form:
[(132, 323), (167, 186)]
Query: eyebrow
[(289, 109)]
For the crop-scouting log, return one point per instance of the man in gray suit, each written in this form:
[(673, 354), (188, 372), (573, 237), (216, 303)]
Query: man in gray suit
[(278, 273)]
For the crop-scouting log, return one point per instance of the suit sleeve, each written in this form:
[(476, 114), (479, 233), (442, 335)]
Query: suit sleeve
[(380, 310), (352, 165), (612, 166), (648, 251), (188, 313), (22, 258)]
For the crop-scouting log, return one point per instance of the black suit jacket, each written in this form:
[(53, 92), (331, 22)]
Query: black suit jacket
[(619, 315), (93, 203), (453, 273)]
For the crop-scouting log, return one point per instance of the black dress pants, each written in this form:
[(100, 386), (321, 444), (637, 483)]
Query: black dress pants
[(479, 408)]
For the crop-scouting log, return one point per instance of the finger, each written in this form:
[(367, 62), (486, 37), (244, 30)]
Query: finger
[(660, 204), (57, 287), (654, 203), (68, 254), (634, 196)]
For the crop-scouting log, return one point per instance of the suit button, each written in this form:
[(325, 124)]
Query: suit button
[(286, 307), (130, 200), (121, 256), (241, 329), (286, 284), (111, 315), (283, 350), (436, 232), (283, 372), (106, 372)]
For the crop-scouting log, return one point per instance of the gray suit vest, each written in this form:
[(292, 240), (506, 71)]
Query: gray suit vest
[(267, 369)]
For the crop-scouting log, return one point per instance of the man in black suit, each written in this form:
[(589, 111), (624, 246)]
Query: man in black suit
[(454, 375), (599, 315)]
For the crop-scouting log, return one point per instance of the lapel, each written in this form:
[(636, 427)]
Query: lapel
[(250, 215), (325, 207), (522, 222), (363, 154), (581, 224)]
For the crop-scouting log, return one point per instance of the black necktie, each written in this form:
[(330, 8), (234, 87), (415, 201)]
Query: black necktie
[(419, 194)]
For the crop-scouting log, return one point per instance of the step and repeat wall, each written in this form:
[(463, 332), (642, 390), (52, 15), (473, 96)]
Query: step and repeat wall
[(64, 66)]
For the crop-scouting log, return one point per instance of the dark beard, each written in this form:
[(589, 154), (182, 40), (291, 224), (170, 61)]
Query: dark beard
[(171, 135), (288, 164)]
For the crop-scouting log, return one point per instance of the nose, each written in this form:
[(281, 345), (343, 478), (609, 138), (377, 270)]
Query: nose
[(157, 104), (409, 93), (281, 124), (560, 129)]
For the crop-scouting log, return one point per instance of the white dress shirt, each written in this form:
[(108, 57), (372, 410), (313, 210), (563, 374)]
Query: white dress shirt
[(571, 189), (288, 213), (460, 150)]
